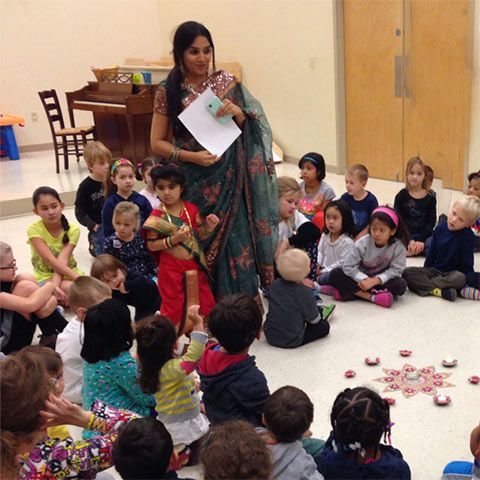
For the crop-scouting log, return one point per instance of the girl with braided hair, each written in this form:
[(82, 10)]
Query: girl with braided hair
[(360, 418), (52, 240)]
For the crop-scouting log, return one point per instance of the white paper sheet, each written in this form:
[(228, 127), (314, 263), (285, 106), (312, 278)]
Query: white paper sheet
[(206, 129)]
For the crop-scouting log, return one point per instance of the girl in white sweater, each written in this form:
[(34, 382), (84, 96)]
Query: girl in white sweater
[(335, 243)]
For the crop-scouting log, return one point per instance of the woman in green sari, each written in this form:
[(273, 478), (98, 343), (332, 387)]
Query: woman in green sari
[(240, 187)]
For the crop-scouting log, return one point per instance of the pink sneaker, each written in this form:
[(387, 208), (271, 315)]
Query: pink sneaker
[(383, 298), (327, 290)]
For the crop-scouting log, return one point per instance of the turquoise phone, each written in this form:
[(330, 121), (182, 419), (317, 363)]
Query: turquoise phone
[(213, 105)]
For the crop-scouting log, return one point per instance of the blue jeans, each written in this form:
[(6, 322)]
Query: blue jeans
[(96, 241)]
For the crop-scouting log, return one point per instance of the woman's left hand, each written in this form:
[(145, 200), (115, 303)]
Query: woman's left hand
[(229, 107)]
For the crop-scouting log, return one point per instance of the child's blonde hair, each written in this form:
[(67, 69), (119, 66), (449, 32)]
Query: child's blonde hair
[(288, 186), (96, 152), (127, 208), (358, 170), (86, 292), (416, 161), (106, 263), (470, 204), (293, 265)]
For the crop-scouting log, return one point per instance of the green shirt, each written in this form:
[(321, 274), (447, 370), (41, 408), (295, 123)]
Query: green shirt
[(42, 270)]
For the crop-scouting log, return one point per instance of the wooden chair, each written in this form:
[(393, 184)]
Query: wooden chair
[(66, 141)]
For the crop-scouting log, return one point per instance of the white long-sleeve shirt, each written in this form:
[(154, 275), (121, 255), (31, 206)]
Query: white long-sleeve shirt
[(69, 346), (332, 254), (367, 260)]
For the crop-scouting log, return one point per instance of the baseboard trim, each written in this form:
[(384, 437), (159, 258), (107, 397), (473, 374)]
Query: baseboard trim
[(35, 148)]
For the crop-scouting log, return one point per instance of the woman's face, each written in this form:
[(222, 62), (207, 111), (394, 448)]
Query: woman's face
[(197, 57)]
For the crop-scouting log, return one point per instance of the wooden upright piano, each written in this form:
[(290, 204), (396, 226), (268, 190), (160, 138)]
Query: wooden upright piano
[(122, 113)]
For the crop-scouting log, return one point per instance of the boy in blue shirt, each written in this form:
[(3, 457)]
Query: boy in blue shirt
[(361, 202), (449, 263), (232, 385)]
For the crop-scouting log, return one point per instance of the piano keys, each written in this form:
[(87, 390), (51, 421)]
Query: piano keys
[(122, 114)]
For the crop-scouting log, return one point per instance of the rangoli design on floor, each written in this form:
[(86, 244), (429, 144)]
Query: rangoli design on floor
[(411, 380)]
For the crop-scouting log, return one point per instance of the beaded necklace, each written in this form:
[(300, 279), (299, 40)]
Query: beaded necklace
[(169, 218)]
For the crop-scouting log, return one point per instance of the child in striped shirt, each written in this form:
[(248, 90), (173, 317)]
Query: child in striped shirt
[(171, 379)]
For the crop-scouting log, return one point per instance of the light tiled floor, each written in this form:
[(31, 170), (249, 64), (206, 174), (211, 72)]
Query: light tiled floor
[(429, 436)]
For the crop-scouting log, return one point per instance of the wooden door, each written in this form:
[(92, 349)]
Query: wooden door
[(373, 31), (408, 84), (438, 85)]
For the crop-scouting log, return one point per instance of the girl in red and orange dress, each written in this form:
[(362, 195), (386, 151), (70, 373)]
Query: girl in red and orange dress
[(175, 231)]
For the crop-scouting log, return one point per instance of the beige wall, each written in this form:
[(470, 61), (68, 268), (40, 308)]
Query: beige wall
[(285, 47), (48, 44), (274, 41)]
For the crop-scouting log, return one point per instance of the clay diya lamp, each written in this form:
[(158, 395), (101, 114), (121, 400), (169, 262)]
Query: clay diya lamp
[(449, 362), (442, 399), (405, 353), (475, 379), (350, 373), (372, 360), (390, 401), (413, 375)]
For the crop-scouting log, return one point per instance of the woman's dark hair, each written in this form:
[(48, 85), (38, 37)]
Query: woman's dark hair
[(360, 415), (348, 225), (401, 233), (317, 161), (52, 192), (185, 35), (173, 172), (156, 337), (108, 331), (144, 165)]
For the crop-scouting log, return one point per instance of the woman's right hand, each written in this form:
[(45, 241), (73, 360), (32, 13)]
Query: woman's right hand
[(204, 158)]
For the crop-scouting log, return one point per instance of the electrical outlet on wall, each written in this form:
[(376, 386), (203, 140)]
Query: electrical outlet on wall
[(34, 116)]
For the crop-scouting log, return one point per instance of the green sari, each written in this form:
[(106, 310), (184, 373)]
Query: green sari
[(240, 188)]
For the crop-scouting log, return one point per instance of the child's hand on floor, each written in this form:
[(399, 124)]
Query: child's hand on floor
[(368, 283)]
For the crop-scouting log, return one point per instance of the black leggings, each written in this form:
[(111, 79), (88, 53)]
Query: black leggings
[(23, 330), (315, 331), (348, 287)]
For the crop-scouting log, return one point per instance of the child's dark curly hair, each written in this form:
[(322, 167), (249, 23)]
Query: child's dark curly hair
[(360, 415)]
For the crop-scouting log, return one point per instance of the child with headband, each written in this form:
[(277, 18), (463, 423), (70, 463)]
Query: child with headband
[(119, 188), (373, 269), (316, 193)]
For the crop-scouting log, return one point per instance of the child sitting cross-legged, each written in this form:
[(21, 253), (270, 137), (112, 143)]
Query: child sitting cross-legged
[(85, 292), (144, 450), (232, 385), (287, 417), (293, 317), (359, 418), (449, 263)]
